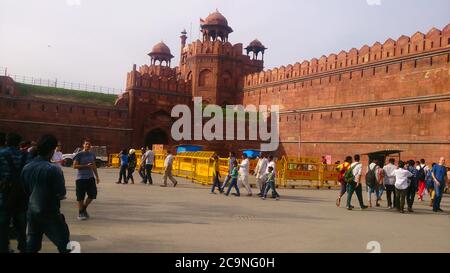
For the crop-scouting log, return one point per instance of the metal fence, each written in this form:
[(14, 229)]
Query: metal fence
[(60, 84)]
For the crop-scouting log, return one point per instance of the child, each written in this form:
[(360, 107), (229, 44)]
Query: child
[(271, 184), (234, 176)]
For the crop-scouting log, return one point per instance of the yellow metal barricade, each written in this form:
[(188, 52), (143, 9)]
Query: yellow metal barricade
[(113, 160), (307, 171), (158, 167)]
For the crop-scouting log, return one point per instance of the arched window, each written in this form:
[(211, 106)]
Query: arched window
[(227, 79), (205, 78)]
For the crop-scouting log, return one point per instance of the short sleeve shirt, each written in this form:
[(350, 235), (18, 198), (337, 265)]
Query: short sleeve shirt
[(84, 158)]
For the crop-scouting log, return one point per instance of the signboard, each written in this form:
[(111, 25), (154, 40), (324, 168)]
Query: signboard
[(158, 148)]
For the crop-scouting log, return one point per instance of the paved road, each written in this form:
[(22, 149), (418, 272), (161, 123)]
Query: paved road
[(139, 218)]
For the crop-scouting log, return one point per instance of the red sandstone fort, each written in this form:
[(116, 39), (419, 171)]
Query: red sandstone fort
[(391, 95)]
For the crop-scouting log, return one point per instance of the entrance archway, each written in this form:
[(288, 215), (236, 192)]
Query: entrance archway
[(156, 136)]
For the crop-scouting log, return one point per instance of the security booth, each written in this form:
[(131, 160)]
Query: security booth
[(384, 155)]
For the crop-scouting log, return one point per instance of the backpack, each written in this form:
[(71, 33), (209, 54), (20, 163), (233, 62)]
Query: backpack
[(348, 176), (371, 178), (15, 199), (421, 174), (342, 174), (429, 181)]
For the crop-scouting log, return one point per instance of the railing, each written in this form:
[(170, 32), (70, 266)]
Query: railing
[(59, 84)]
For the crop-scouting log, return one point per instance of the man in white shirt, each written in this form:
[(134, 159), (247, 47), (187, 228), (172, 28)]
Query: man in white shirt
[(243, 174), (389, 181), (148, 159), (355, 186), (57, 157), (168, 162), (260, 171), (401, 185), (142, 165)]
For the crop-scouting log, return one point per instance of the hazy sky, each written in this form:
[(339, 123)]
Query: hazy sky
[(97, 41)]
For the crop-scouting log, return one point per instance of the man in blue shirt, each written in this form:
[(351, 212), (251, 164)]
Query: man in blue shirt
[(44, 185), (12, 200), (440, 178), (413, 185), (84, 163)]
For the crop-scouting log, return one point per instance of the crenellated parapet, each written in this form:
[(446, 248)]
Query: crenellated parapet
[(157, 78), (418, 43)]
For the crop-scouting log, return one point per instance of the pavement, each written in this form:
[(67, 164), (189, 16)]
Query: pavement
[(140, 219)]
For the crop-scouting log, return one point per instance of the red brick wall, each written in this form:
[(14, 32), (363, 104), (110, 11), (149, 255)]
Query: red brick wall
[(398, 100)]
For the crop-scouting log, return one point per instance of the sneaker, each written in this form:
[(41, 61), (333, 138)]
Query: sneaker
[(175, 184), (377, 205), (263, 198), (364, 207), (410, 210), (86, 214), (118, 182), (440, 210), (278, 198), (81, 216), (350, 208), (402, 211)]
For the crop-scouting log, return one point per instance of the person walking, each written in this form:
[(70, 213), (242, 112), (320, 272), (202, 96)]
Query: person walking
[(342, 169), (271, 163), (168, 162), (149, 160), (232, 159), (44, 186), (260, 171), (389, 183), (57, 157), (430, 185), (132, 161), (413, 185), (372, 181), (86, 184), (401, 185), (244, 173), (234, 176), (440, 178), (216, 175), (271, 185), (423, 170), (353, 179), (13, 203), (141, 170), (123, 167)]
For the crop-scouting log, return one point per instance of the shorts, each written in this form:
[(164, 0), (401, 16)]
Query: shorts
[(86, 186)]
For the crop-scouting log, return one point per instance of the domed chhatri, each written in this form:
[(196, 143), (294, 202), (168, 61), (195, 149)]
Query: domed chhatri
[(215, 27), (256, 47), (216, 18), (160, 52)]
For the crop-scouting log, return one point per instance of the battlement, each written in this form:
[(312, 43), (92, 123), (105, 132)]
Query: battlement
[(390, 49), (165, 80), (214, 48)]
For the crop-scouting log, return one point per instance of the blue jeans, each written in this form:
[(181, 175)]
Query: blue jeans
[(438, 196), (148, 174), (20, 224), (216, 183), (233, 184), (270, 185), (53, 226), (225, 182), (380, 190)]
